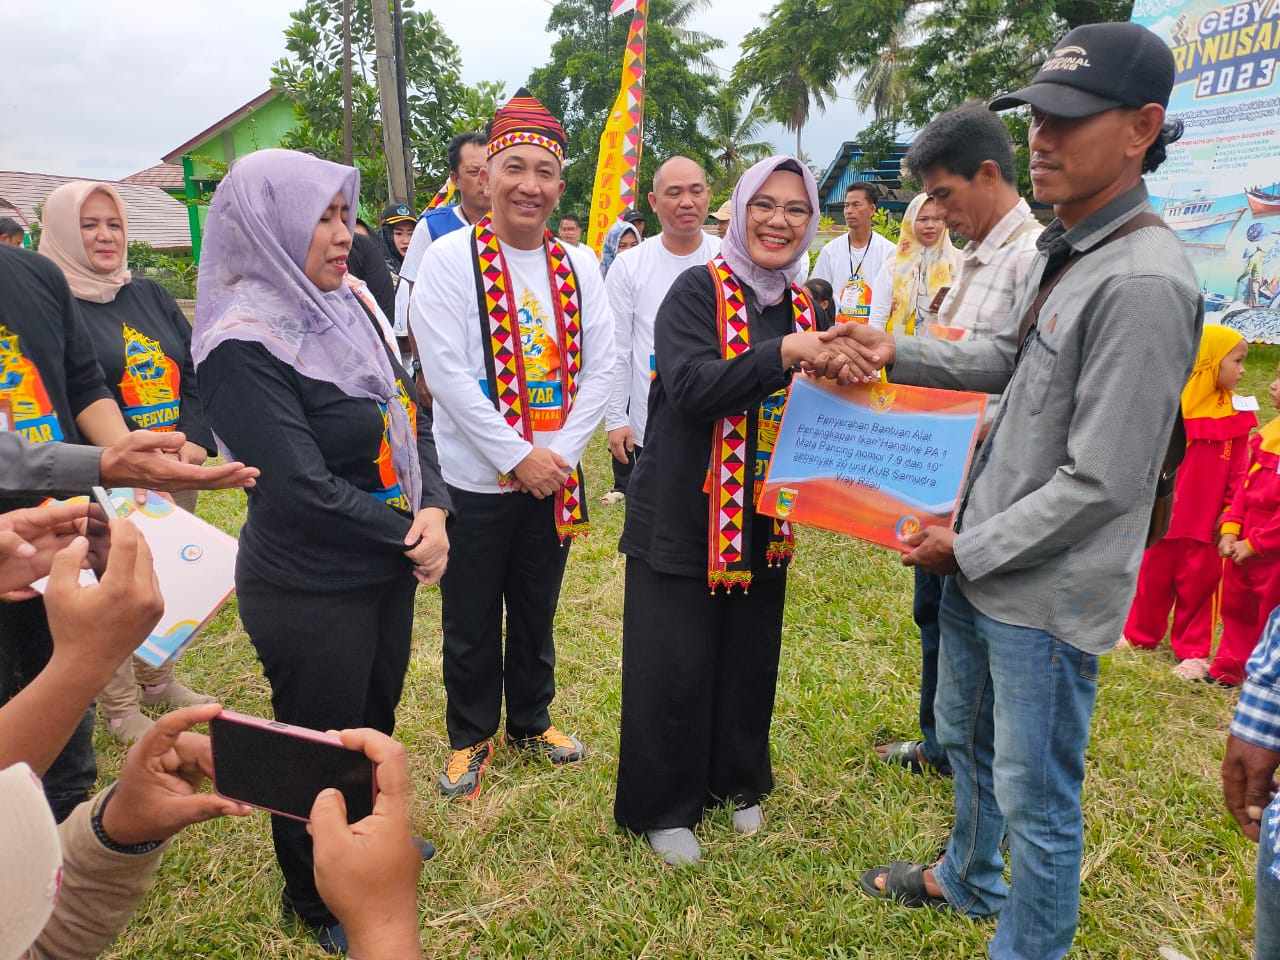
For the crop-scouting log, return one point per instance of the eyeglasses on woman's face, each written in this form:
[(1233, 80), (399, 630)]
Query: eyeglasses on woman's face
[(762, 210)]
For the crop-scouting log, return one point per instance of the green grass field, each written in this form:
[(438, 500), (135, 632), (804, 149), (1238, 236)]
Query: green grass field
[(535, 867)]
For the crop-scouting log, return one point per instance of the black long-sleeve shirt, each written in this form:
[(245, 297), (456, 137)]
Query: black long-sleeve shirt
[(327, 513), (143, 342), (695, 386)]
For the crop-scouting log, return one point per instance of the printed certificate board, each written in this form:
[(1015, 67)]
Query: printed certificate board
[(879, 461), (195, 563)]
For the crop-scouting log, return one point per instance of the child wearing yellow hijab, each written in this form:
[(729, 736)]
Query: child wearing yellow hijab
[(1250, 545), (908, 291), (1182, 570)]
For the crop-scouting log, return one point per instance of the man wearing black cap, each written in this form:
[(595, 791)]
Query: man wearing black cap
[(1042, 564)]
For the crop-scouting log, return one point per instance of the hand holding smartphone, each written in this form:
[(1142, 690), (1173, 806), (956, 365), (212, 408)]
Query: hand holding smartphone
[(281, 768)]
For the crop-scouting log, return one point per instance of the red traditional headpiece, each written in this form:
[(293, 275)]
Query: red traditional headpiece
[(525, 120)]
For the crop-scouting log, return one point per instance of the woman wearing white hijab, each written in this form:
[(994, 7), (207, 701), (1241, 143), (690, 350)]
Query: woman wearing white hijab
[(700, 652)]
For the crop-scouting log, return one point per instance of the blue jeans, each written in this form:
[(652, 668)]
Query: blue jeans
[(1266, 921), (1013, 708), (924, 610)]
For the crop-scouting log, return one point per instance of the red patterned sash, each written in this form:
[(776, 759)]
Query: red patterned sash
[(504, 359), (732, 455)]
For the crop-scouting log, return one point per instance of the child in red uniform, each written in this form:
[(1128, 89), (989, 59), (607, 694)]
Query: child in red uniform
[(1251, 541), (1183, 569)]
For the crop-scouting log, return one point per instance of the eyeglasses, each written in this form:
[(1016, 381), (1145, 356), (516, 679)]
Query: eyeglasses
[(795, 214)]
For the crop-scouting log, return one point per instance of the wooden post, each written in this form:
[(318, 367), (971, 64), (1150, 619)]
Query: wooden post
[(347, 150), (389, 98), (402, 92)]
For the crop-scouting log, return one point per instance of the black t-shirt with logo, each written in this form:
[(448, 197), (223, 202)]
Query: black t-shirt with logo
[(49, 372), (143, 342)]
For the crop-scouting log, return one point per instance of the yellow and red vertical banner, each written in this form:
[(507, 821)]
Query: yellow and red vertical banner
[(619, 165), (443, 196)]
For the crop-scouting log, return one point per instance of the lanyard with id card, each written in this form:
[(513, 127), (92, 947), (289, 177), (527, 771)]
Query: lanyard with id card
[(855, 296)]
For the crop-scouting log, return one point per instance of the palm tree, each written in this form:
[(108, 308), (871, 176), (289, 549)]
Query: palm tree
[(882, 88), (676, 20), (733, 124), (774, 60)]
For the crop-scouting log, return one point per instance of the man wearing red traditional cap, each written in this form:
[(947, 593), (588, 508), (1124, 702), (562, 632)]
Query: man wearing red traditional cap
[(520, 367)]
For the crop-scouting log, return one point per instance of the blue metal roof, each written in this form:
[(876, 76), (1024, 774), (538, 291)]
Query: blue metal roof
[(843, 172)]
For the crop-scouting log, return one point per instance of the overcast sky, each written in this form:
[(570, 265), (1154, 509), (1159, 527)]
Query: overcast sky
[(104, 88)]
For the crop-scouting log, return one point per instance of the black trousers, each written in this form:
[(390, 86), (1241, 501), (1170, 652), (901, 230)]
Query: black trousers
[(25, 648), (334, 661), (622, 471), (924, 610), (698, 679), (503, 553)]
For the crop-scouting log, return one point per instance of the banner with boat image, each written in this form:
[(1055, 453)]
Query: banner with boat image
[(1219, 189)]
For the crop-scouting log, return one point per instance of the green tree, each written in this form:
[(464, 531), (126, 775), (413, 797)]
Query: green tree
[(478, 105), (311, 76), (734, 125), (913, 59), (792, 63), (580, 83)]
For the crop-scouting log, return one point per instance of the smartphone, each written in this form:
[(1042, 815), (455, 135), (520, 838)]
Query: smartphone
[(280, 768), (97, 531)]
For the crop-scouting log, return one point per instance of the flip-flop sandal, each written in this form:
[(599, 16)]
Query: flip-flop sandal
[(906, 753), (903, 883)]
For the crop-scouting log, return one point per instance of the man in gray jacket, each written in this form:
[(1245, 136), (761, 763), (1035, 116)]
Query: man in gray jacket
[(1042, 564)]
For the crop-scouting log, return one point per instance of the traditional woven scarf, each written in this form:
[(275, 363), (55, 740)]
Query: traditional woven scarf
[(504, 358), (730, 510)]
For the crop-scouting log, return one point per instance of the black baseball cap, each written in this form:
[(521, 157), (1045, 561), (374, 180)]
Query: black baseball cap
[(1097, 67), (633, 216), (398, 213)]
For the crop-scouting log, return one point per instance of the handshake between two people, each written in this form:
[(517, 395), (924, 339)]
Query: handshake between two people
[(847, 352)]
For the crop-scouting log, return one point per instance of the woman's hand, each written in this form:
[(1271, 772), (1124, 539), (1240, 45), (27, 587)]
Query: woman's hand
[(193, 454), (428, 544), (1227, 544)]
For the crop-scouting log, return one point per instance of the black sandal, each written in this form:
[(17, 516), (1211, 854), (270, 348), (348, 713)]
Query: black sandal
[(904, 883)]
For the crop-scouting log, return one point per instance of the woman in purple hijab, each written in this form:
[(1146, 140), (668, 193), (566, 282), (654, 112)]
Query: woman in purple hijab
[(699, 650), (348, 516)]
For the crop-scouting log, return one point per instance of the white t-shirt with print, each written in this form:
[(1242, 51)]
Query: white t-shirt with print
[(852, 272), (474, 441), (638, 282)]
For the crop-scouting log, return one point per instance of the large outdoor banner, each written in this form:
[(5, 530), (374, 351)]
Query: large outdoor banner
[(1220, 188), (623, 138)]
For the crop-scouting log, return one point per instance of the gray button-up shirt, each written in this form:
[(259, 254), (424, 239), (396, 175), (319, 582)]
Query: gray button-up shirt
[(1059, 499)]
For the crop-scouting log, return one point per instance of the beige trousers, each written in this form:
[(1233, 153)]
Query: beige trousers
[(122, 692)]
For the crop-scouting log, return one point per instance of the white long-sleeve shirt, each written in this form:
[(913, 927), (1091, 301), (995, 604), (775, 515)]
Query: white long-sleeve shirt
[(474, 441), (638, 282)]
